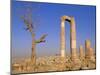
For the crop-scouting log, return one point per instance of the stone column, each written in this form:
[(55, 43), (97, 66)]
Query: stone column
[(89, 51), (81, 51), (87, 47), (91, 54), (73, 39), (62, 39)]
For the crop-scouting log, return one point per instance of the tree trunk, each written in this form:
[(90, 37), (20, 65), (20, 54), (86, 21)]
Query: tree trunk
[(33, 55)]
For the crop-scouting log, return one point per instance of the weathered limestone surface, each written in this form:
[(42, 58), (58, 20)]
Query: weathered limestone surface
[(63, 44), (87, 47), (89, 51), (63, 47), (74, 55), (72, 37), (81, 51)]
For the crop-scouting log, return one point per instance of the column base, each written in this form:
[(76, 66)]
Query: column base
[(63, 53), (76, 63)]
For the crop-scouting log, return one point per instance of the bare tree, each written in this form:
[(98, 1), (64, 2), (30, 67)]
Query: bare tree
[(30, 27)]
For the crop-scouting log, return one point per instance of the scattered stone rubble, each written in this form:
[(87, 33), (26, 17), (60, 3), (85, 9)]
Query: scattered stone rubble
[(53, 63)]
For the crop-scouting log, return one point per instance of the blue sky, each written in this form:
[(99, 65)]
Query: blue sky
[(46, 18)]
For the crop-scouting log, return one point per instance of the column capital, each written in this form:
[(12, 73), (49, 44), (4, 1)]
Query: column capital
[(63, 18)]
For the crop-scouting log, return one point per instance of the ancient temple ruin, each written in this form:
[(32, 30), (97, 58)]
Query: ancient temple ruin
[(72, 37), (84, 60)]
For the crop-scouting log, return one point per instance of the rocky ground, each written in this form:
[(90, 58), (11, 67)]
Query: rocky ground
[(53, 63)]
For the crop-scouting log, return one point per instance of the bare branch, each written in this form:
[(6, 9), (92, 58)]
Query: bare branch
[(42, 39)]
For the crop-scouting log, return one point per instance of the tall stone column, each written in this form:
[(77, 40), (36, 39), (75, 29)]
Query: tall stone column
[(62, 39), (81, 51), (73, 39)]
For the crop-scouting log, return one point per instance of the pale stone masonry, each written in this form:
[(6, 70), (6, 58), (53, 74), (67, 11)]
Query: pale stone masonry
[(81, 51), (87, 47), (72, 37), (63, 44), (91, 54), (62, 39), (89, 50)]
